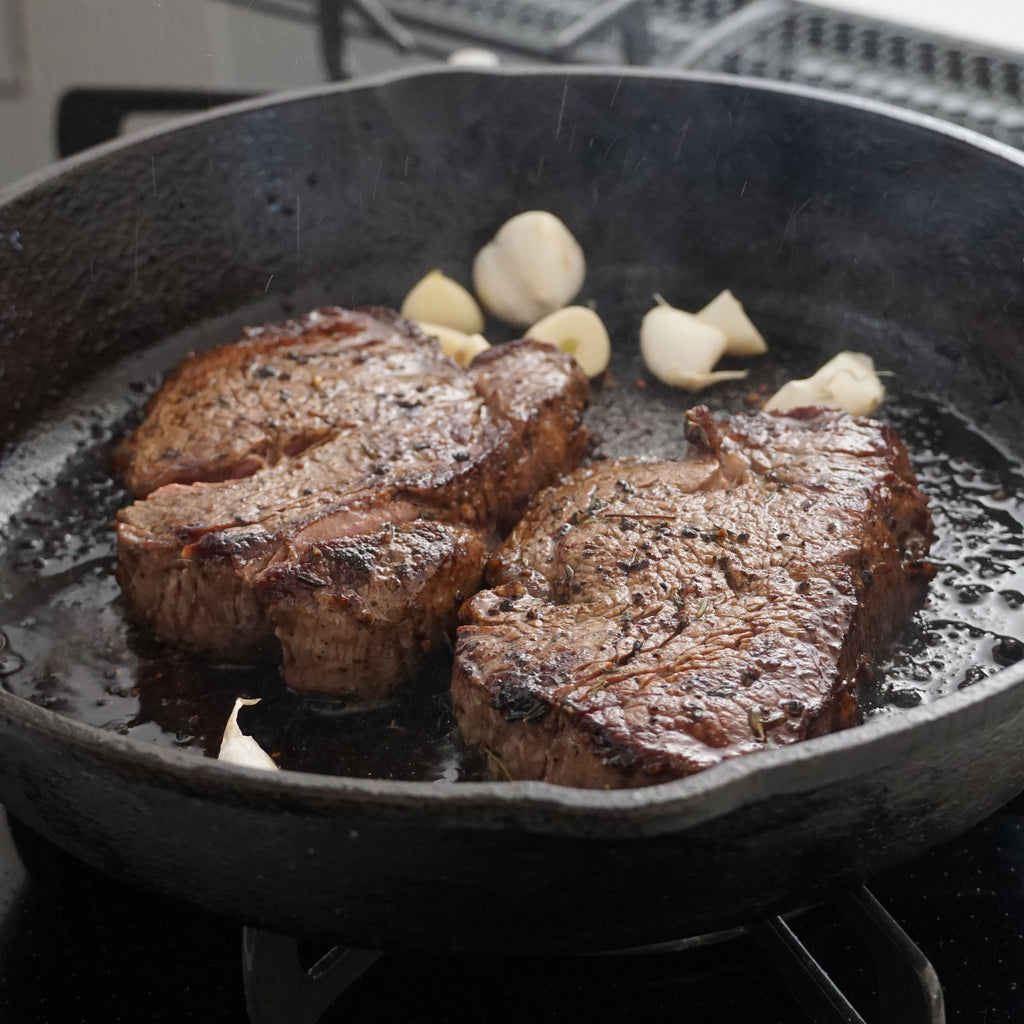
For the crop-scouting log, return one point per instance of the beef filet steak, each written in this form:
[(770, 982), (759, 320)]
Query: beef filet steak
[(334, 485), (648, 619)]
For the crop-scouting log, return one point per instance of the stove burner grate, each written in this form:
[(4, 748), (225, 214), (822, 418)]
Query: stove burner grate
[(977, 86), (278, 987)]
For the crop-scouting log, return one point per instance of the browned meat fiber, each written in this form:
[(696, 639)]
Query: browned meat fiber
[(648, 619), (333, 485)]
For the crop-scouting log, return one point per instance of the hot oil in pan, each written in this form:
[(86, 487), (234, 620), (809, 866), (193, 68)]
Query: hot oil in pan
[(972, 623), (66, 644)]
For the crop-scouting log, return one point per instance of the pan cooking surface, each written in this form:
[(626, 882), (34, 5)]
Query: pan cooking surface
[(66, 644)]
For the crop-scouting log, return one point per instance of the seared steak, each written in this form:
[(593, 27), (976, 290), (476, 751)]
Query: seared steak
[(336, 483), (648, 619)]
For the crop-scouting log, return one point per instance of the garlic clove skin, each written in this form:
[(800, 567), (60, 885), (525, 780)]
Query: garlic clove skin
[(696, 381), (580, 332), (532, 267), (847, 381), (457, 345), (726, 313), (440, 300), (678, 348), (238, 748)]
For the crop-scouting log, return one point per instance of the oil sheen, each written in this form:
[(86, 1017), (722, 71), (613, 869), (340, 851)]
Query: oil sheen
[(67, 644)]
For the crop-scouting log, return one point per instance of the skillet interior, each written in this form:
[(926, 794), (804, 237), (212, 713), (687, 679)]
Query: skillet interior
[(832, 223)]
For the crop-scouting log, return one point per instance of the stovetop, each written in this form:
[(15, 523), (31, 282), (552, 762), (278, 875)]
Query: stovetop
[(76, 946)]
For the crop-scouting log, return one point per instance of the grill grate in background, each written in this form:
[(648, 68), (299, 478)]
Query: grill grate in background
[(529, 25), (974, 85), (977, 86), (519, 26)]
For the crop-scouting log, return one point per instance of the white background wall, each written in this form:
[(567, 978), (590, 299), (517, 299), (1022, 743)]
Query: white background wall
[(101, 42), (187, 43)]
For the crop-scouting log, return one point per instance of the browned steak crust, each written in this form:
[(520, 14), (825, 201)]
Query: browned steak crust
[(648, 619), (333, 485), (236, 409)]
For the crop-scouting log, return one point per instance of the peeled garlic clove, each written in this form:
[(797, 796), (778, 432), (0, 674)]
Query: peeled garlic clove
[(794, 394), (532, 267), (678, 348), (578, 331), (726, 313), (237, 748), (440, 300), (457, 345), (847, 381)]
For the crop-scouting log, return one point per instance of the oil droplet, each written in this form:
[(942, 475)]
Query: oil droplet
[(10, 663), (1008, 650)]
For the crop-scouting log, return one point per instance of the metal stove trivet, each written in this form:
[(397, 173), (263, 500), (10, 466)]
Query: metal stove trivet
[(977, 86), (279, 988), (980, 87)]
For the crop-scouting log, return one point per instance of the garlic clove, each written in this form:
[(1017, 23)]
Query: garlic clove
[(457, 345), (531, 267), (678, 348), (726, 313), (238, 748), (794, 394), (847, 381), (440, 300), (578, 331)]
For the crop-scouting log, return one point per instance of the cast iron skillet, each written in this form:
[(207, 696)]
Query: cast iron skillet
[(833, 219)]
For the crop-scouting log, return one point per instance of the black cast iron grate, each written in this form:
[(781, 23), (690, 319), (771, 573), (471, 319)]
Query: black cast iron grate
[(528, 26), (980, 87), (977, 86), (278, 986)]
